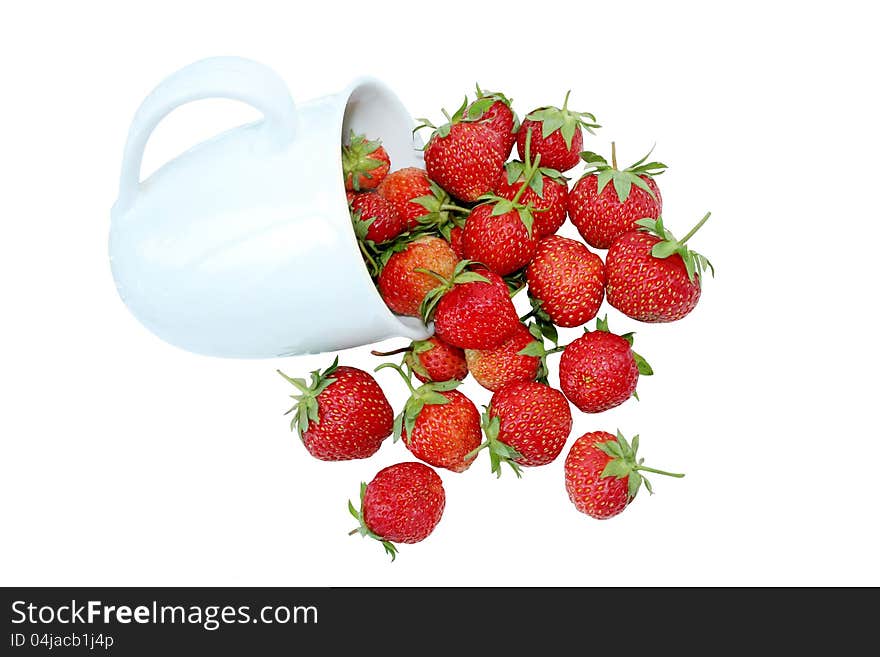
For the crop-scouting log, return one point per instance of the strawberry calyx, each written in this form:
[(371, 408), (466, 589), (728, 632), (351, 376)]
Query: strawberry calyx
[(412, 360), (625, 463), (356, 160), (542, 321), (516, 171), (622, 179), (427, 393), (538, 349), (362, 528), (411, 356), (499, 452), (525, 211), (461, 274), (443, 214), (484, 100), (461, 115), (564, 120), (306, 403), (645, 368), (694, 262)]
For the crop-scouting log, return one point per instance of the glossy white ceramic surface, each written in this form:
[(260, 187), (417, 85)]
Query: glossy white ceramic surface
[(243, 246)]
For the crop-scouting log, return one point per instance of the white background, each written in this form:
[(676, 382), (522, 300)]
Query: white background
[(126, 461)]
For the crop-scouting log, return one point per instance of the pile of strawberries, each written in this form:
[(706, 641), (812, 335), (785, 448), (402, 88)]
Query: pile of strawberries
[(452, 244)]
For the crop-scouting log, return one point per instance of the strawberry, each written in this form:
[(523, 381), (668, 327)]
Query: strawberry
[(463, 156), (603, 473), (600, 370), (493, 109), (419, 201), (495, 368), (653, 277), (456, 238), (547, 194), (568, 279), (556, 135), (603, 212), (364, 163), (499, 232), (375, 219), (527, 424), (402, 285), (402, 504), (432, 360), (497, 235), (438, 424), (341, 414), (471, 309)]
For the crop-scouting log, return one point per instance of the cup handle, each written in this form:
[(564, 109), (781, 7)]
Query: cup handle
[(216, 77)]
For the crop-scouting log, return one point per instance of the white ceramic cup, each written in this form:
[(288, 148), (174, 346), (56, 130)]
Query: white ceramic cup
[(243, 246)]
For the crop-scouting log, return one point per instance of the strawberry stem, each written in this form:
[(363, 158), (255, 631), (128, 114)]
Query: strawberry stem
[(645, 468), (394, 352), (400, 371), (530, 170), (565, 101), (453, 208), (614, 155), (695, 228), (472, 454), (296, 383), (366, 254)]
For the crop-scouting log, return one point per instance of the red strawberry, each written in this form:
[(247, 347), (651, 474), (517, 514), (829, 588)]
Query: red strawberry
[(600, 370), (432, 360), (375, 219), (403, 504), (341, 414), (402, 287), (527, 423), (603, 212), (419, 201), (364, 163), (493, 109), (349, 196), (438, 424), (471, 309), (547, 194), (556, 135), (568, 279), (653, 277), (456, 237), (603, 474), (498, 234), (464, 157), (495, 368)]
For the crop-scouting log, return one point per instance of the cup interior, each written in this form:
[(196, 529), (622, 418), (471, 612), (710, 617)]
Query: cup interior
[(375, 111)]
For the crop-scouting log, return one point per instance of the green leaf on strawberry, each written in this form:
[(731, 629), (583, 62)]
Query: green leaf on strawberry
[(624, 462), (564, 120), (499, 452), (362, 528), (623, 180), (694, 262), (306, 403)]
